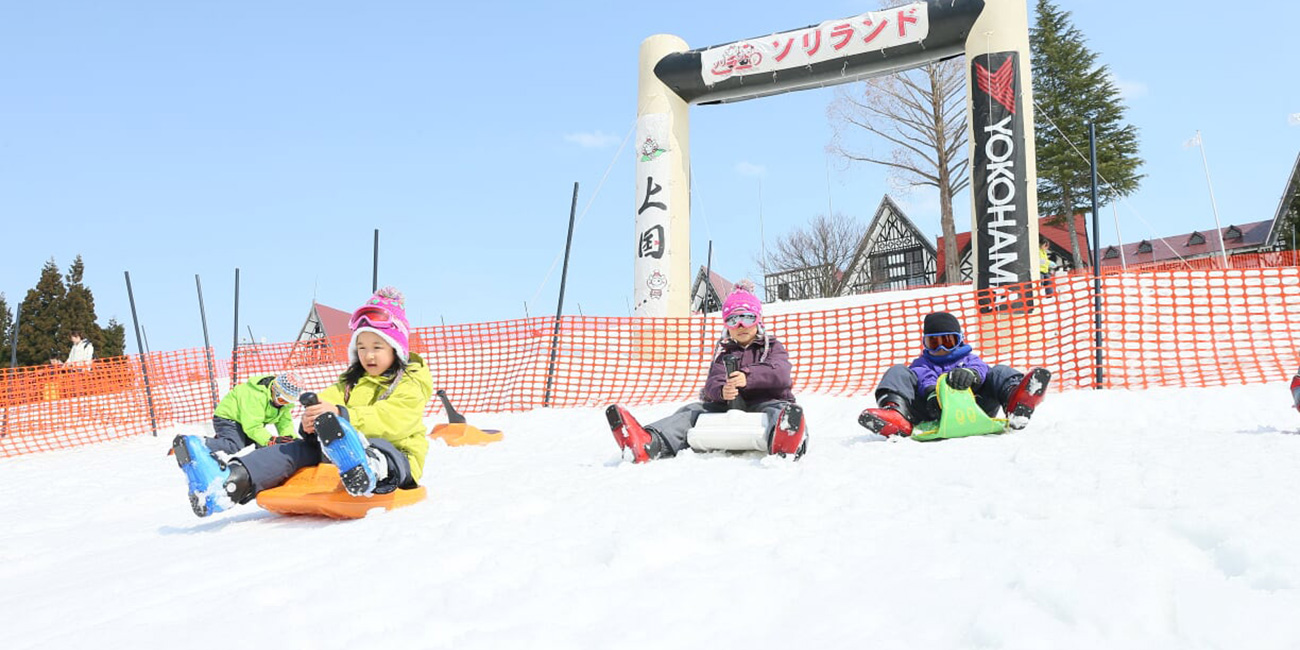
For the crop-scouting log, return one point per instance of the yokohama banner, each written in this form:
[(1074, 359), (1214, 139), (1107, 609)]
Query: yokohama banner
[(999, 178)]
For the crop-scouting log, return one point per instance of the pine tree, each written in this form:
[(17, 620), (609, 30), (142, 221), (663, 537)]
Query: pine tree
[(6, 322), (40, 335), (1070, 90), (112, 340), (1289, 225)]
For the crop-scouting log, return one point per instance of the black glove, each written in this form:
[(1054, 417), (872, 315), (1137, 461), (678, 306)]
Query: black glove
[(962, 378), (279, 440)]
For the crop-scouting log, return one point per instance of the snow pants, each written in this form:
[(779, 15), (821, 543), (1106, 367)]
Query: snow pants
[(991, 395), (270, 467), (672, 429), (229, 438)]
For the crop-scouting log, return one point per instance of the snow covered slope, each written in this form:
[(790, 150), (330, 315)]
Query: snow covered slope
[(1155, 519)]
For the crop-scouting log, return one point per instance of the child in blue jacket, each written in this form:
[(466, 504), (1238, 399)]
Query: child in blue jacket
[(762, 380), (906, 394)]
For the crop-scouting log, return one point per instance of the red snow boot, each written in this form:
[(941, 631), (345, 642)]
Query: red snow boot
[(789, 436), (1025, 398), (629, 435), (887, 420), (1295, 390)]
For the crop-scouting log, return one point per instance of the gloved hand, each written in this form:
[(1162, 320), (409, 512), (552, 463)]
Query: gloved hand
[(279, 440), (962, 378)]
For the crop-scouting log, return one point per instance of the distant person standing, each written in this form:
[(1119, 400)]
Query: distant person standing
[(1295, 390), (83, 351), (1045, 268)]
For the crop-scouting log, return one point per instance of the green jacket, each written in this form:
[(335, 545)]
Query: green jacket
[(399, 418), (250, 405)]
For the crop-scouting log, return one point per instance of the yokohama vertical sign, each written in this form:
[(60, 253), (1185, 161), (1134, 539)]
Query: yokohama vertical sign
[(999, 178)]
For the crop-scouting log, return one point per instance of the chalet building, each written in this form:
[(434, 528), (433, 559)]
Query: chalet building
[(324, 322), (1237, 240), (797, 284), (893, 254), (1284, 234), (708, 291)]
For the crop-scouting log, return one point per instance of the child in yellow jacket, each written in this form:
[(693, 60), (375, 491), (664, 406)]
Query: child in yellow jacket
[(370, 423)]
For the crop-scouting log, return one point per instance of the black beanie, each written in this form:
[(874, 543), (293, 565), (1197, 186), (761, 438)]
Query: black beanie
[(941, 322)]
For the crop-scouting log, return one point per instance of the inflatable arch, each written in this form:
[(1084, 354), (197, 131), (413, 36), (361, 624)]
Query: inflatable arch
[(994, 36)]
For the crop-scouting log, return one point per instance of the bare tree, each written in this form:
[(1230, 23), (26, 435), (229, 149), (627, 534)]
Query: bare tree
[(816, 254), (922, 114)]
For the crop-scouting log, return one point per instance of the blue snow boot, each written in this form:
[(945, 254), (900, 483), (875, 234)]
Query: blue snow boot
[(206, 477), (346, 448)]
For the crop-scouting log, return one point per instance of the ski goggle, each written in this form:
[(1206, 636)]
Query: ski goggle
[(740, 320), (372, 316), (942, 342)]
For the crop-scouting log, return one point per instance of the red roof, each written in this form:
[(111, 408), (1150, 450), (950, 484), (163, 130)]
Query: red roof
[(333, 321), (1249, 236), (1058, 235)]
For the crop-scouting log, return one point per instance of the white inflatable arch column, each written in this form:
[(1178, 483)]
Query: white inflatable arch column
[(663, 192)]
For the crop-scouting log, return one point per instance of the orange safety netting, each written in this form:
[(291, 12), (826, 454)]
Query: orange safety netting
[(1197, 327)]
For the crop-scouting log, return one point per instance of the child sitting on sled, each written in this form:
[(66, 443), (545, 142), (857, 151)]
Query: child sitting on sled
[(906, 394), (370, 424), (242, 415), (762, 380)]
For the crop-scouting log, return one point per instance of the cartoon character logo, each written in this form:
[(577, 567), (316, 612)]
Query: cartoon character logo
[(651, 150), (738, 57), (657, 283)]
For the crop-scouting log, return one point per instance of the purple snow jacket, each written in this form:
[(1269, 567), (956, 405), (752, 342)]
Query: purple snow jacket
[(927, 368), (765, 363)]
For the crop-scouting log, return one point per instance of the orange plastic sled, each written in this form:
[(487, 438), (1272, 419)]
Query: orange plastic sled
[(318, 491), (458, 434)]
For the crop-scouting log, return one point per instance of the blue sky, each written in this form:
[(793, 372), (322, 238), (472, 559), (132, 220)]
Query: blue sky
[(170, 139)]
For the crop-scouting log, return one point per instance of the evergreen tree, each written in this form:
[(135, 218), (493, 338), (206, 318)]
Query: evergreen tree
[(1289, 225), (1070, 90), (6, 322), (113, 340), (40, 335), (77, 313)]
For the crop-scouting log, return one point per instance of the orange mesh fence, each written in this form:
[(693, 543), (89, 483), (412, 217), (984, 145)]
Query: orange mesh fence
[(1271, 259), (1189, 327)]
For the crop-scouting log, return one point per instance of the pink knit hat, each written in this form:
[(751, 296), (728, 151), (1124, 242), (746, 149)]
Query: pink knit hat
[(742, 301), (385, 315)]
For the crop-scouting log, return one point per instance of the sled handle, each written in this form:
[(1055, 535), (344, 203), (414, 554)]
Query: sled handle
[(733, 364), (452, 416)]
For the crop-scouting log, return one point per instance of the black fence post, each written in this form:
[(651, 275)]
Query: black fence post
[(559, 308), (144, 359), (234, 347), (207, 344), (1096, 250)]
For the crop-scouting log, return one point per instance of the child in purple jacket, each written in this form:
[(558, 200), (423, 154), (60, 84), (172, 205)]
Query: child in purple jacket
[(906, 394), (761, 380)]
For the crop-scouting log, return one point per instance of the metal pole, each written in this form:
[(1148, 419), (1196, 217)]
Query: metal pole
[(13, 337), (234, 349), (374, 274), (207, 343), (1096, 253), (704, 304), (559, 308), (144, 362), (1215, 206)]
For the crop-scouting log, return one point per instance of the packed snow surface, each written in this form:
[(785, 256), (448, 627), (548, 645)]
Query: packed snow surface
[(1166, 518)]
